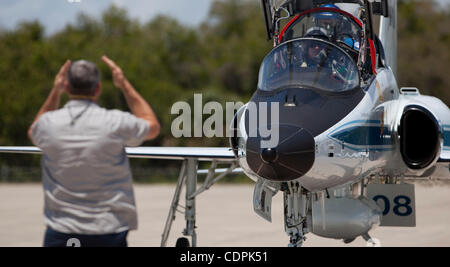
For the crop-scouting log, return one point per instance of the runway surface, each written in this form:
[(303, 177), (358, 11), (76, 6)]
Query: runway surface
[(225, 218)]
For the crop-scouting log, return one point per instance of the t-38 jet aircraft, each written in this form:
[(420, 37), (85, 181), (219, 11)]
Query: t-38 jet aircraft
[(348, 137)]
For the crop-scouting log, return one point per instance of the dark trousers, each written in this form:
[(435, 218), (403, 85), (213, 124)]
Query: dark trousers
[(56, 239)]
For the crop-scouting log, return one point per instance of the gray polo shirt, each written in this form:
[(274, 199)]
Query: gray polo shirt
[(85, 171)]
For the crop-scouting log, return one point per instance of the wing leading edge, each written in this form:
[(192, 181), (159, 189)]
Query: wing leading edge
[(172, 153), (180, 153)]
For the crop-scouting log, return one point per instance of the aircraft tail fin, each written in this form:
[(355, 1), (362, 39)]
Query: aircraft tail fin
[(388, 34)]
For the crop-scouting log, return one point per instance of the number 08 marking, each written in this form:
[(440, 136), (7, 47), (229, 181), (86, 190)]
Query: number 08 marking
[(397, 208)]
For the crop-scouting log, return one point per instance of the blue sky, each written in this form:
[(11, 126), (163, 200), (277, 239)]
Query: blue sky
[(55, 14)]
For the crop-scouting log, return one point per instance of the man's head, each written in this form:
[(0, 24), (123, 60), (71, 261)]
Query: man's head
[(83, 79)]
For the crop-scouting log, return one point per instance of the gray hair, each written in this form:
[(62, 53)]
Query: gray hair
[(83, 77)]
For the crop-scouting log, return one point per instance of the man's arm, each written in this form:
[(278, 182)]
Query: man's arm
[(137, 104), (53, 99)]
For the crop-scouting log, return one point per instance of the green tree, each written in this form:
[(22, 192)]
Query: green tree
[(167, 61), (424, 47)]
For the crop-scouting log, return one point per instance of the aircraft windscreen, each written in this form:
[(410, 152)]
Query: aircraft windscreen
[(310, 63)]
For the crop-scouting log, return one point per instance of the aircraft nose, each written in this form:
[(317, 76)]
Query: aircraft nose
[(269, 155), (290, 159)]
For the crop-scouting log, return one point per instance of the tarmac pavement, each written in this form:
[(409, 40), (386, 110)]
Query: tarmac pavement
[(225, 218)]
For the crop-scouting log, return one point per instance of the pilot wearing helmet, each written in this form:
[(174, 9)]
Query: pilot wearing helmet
[(327, 20), (314, 53), (320, 57), (336, 27)]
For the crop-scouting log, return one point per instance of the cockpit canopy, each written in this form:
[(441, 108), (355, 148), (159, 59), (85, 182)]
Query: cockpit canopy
[(308, 63), (331, 25)]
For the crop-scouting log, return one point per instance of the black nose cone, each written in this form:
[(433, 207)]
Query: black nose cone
[(290, 159), (269, 155)]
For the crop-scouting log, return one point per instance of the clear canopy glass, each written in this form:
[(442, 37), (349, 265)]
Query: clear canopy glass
[(310, 63)]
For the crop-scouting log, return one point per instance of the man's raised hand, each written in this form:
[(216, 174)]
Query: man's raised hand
[(117, 73), (61, 77)]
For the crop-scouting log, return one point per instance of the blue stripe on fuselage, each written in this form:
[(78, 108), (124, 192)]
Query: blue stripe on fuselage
[(447, 140), (446, 129), (371, 136), (361, 137)]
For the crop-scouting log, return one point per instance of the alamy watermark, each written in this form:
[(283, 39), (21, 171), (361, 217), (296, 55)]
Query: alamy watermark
[(258, 123)]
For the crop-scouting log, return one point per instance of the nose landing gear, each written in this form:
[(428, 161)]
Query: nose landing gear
[(295, 208)]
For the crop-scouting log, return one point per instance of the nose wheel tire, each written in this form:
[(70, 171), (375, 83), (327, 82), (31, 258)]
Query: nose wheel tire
[(182, 242), (371, 242)]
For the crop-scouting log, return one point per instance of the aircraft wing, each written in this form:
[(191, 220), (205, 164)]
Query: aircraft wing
[(172, 153), (180, 153)]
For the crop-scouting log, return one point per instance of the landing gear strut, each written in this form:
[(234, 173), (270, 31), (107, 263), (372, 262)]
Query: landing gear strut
[(295, 208), (188, 177)]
